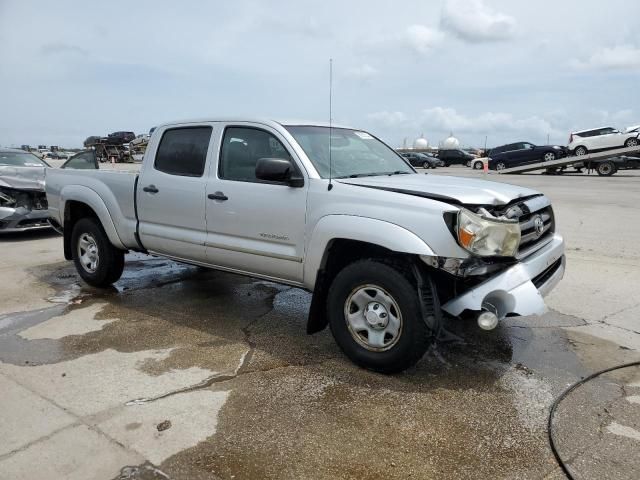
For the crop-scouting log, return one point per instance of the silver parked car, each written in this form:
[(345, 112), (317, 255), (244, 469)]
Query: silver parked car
[(23, 202)]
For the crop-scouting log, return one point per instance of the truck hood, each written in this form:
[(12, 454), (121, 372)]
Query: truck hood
[(22, 178), (454, 190)]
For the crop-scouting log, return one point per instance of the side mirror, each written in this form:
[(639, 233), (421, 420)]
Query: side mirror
[(278, 170)]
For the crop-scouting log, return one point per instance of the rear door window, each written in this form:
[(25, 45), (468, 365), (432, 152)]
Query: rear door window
[(183, 151)]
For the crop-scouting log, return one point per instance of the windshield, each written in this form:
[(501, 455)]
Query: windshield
[(353, 153), (20, 159)]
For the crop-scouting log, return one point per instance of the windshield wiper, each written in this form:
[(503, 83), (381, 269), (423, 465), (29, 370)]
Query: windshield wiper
[(373, 174), (358, 175)]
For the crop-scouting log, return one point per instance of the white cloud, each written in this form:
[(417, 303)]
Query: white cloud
[(388, 119), (618, 57), (421, 39), (473, 21), (362, 72), (448, 119), (418, 39)]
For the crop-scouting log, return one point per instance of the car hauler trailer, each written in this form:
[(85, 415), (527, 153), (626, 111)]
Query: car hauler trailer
[(601, 162)]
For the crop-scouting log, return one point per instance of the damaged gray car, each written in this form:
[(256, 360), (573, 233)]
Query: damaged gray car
[(23, 202)]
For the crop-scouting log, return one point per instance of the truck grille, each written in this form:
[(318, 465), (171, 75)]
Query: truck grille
[(537, 225)]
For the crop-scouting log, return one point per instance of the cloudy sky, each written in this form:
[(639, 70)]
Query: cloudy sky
[(497, 68)]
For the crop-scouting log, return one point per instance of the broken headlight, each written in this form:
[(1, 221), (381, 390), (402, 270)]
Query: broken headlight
[(7, 199), (487, 237)]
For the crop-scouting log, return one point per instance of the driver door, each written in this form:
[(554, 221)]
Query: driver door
[(255, 226)]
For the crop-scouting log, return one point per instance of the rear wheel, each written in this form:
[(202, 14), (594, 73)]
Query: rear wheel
[(631, 142), (580, 151), (606, 169), (376, 317), (97, 261), (500, 166)]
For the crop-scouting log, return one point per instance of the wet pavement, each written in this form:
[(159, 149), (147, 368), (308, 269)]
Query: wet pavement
[(184, 373)]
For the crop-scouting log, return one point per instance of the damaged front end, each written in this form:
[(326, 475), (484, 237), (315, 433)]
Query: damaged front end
[(516, 259), (22, 209)]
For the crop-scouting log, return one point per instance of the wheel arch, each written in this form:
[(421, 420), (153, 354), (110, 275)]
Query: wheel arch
[(338, 230), (81, 202), (339, 240)]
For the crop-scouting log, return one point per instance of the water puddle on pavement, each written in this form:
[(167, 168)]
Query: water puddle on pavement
[(475, 406)]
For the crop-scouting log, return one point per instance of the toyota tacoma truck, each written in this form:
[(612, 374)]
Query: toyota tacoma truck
[(386, 252)]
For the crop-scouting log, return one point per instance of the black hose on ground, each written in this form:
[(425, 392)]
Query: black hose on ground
[(562, 396)]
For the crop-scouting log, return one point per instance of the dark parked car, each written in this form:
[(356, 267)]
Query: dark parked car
[(423, 160), (521, 153), (119, 138), (455, 156)]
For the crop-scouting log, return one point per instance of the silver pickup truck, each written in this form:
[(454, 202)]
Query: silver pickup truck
[(384, 249)]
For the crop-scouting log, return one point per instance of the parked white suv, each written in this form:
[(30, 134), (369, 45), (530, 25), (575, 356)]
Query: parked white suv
[(598, 139)]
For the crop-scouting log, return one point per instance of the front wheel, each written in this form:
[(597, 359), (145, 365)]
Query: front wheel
[(376, 317), (97, 261), (631, 142), (425, 165), (478, 166), (549, 157)]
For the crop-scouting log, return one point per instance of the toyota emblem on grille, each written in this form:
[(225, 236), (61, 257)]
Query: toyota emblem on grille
[(538, 224)]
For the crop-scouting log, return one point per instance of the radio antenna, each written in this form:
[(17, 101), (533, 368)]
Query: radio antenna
[(330, 119)]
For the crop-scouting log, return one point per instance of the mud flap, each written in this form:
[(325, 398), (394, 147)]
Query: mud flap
[(318, 318)]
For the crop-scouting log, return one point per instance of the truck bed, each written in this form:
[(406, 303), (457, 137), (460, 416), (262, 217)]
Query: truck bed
[(115, 189)]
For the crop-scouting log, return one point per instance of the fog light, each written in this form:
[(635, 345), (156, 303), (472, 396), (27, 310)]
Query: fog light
[(487, 320)]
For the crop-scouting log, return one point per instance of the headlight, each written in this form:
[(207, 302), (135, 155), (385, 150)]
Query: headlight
[(6, 199), (487, 237)]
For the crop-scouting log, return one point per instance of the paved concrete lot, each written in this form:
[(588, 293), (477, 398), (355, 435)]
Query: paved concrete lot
[(184, 373)]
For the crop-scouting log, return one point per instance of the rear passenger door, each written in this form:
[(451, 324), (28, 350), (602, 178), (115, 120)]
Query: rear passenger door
[(171, 192)]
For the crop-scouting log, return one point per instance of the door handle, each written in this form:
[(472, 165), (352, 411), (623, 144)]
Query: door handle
[(150, 189), (218, 196)]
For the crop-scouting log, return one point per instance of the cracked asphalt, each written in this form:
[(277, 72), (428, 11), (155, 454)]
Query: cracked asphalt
[(184, 373)]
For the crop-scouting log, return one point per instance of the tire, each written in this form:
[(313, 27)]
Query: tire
[(425, 165), (478, 165), (580, 151), (631, 142), (606, 169), (548, 157), (377, 288), (500, 166), (97, 261)]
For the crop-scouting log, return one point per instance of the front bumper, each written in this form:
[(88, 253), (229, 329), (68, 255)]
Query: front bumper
[(520, 289), (22, 219)]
